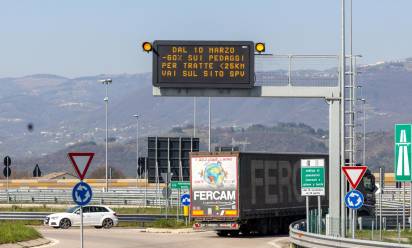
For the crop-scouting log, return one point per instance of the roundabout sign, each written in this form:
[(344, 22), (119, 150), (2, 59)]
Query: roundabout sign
[(354, 199)]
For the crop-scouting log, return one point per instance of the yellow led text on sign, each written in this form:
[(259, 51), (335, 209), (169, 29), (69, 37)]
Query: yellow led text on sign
[(219, 62), (204, 63)]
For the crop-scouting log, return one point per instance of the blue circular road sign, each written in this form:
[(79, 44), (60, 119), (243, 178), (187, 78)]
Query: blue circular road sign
[(354, 199), (82, 194), (185, 199)]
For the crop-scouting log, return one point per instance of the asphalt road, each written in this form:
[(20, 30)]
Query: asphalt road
[(134, 238)]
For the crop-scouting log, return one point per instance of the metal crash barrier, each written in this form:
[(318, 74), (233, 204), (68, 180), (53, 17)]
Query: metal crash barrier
[(300, 238), (116, 196)]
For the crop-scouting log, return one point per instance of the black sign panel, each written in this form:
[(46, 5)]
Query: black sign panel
[(37, 171), (7, 161), (203, 64), (6, 172)]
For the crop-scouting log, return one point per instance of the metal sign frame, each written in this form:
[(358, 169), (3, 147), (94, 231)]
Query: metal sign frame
[(332, 96)]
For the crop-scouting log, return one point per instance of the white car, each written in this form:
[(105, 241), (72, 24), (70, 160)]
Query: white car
[(97, 216)]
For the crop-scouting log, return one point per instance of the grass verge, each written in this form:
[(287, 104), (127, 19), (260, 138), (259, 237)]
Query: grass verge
[(387, 236), (12, 232), (169, 223)]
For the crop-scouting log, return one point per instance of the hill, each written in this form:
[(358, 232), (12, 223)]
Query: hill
[(67, 111), (283, 137)]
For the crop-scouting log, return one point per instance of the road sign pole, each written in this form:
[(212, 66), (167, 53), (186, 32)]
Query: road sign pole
[(190, 213), (397, 207), (177, 205), (146, 182), (307, 213), (319, 217), (7, 185), (81, 226), (167, 193), (403, 207), (382, 178), (410, 206), (167, 201), (353, 223)]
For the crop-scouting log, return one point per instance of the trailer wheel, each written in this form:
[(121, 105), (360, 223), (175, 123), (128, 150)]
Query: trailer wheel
[(222, 233), (234, 233), (263, 229), (245, 231)]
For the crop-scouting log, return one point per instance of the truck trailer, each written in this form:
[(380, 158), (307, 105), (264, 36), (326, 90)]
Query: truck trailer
[(238, 192)]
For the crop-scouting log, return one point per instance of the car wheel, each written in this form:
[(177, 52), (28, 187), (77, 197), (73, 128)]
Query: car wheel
[(65, 223), (107, 223), (98, 227)]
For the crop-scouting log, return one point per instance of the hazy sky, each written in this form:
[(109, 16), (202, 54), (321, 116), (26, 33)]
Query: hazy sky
[(76, 37)]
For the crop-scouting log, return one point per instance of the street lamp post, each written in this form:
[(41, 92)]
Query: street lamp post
[(106, 82), (137, 148), (364, 131)]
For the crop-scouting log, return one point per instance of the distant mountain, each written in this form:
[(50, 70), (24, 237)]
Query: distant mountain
[(67, 111), (283, 137)]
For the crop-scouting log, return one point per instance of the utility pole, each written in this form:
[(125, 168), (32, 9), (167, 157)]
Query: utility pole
[(106, 82)]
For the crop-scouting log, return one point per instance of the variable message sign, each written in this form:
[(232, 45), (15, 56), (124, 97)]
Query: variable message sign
[(312, 177), (203, 64)]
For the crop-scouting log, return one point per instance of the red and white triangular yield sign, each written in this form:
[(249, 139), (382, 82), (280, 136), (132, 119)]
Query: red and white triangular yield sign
[(81, 162), (354, 174)]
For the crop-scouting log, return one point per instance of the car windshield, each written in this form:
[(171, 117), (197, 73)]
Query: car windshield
[(71, 210)]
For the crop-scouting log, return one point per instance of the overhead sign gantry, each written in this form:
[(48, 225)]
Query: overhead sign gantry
[(176, 82)]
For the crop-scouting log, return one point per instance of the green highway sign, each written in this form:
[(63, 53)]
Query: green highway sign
[(180, 185), (403, 152), (312, 177)]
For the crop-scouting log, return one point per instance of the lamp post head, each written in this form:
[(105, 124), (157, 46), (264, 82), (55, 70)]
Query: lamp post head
[(106, 81)]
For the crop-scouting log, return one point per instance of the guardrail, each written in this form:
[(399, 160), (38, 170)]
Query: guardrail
[(42, 215), (299, 238), (121, 196)]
